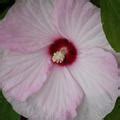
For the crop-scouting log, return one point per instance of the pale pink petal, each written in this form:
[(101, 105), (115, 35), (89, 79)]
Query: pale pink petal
[(28, 26), (97, 73), (1, 56), (22, 75), (87, 111), (66, 13), (80, 21), (118, 58), (58, 100)]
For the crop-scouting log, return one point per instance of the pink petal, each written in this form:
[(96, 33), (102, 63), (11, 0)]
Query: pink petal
[(1, 56), (87, 111), (97, 73), (23, 75), (58, 100), (118, 58), (80, 21), (28, 26)]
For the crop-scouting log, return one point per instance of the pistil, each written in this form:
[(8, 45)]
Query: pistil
[(62, 52), (59, 56)]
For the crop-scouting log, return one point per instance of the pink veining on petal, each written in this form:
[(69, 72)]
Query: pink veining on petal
[(97, 73), (27, 29), (59, 98), (23, 75), (80, 21)]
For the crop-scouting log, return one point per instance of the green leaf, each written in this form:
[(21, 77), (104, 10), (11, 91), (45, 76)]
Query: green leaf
[(110, 10), (2, 14), (4, 6), (6, 111), (4, 1), (96, 2), (115, 115)]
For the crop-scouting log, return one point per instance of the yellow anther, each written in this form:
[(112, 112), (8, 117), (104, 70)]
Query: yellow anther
[(59, 56)]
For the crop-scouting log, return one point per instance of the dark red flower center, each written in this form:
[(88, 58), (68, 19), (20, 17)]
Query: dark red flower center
[(62, 52)]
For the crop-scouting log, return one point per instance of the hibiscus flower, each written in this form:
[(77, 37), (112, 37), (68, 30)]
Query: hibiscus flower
[(54, 65)]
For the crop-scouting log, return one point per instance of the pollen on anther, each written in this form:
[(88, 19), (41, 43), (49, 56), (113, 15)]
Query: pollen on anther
[(62, 52)]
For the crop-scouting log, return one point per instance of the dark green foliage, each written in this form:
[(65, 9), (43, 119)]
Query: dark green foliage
[(110, 11), (115, 115), (6, 111), (4, 6), (96, 2)]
